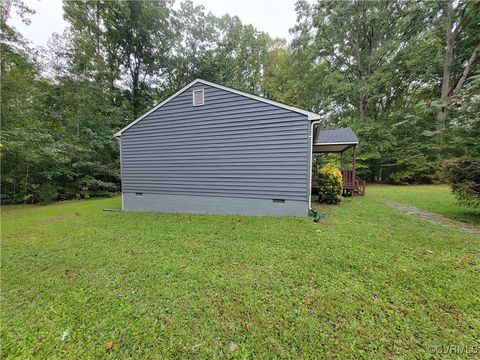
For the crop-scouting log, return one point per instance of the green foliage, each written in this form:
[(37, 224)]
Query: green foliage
[(363, 65), (47, 193), (464, 176), (329, 179), (358, 64), (114, 61)]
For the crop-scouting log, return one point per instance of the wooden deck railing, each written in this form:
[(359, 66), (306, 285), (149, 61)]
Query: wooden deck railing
[(360, 186), (348, 177), (352, 184)]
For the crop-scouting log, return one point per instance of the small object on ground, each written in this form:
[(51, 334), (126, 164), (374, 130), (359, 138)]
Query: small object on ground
[(309, 301), (316, 215), (65, 335), (233, 346), (109, 346), (112, 209)]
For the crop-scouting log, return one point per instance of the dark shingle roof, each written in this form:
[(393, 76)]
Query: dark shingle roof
[(331, 136)]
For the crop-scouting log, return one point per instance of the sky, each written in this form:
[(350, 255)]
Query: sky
[(273, 16)]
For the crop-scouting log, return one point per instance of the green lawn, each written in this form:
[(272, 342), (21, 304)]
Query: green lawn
[(367, 281), (436, 198)]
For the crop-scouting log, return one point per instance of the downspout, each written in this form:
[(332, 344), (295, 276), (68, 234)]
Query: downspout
[(310, 165), (121, 172)]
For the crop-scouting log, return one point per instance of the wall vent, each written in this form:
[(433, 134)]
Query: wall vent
[(198, 97), (279, 201), (139, 194)]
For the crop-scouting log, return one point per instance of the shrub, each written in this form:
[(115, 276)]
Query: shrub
[(47, 193), (463, 175), (329, 184), (92, 187)]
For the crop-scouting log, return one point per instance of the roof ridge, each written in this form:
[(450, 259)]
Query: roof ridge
[(310, 115)]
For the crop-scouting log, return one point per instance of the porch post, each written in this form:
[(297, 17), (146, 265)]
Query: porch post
[(354, 162)]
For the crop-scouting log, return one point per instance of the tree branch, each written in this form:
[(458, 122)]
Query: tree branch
[(459, 24), (459, 83)]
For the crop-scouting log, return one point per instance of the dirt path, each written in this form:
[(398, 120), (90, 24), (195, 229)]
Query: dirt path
[(432, 217)]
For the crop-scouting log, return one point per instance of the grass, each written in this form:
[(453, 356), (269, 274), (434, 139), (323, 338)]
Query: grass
[(366, 282), (435, 198)]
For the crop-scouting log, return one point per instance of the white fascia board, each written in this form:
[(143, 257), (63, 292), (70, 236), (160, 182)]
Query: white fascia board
[(311, 115), (336, 143)]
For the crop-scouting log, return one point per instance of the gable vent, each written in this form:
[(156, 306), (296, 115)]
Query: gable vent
[(198, 97)]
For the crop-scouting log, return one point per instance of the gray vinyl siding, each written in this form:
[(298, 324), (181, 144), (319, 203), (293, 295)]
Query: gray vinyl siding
[(233, 147)]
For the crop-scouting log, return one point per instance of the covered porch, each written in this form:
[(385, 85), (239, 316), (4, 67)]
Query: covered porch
[(338, 141)]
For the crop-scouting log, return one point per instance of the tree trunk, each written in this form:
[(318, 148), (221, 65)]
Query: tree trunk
[(363, 105), (442, 114), (25, 181), (362, 98), (136, 92)]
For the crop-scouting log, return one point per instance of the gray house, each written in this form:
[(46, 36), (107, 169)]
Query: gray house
[(216, 150)]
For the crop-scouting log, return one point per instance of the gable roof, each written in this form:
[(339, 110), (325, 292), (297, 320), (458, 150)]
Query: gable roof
[(309, 114), (334, 140)]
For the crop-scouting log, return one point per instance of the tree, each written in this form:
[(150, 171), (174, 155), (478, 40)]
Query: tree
[(196, 35), (361, 63), (457, 16), (239, 56), (141, 34), (464, 177), (404, 75), (18, 88)]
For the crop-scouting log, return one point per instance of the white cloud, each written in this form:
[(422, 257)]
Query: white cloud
[(275, 17), (47, 20)]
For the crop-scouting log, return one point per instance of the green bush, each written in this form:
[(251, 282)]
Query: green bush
[(47, 193), (329, 184), (463, 175)]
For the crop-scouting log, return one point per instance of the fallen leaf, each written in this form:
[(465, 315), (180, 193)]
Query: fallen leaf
[(309, 301), (233, 346), (404, 270), (109, 346)]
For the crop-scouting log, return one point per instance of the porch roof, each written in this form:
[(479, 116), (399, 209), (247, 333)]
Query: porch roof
[(334, 140)]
